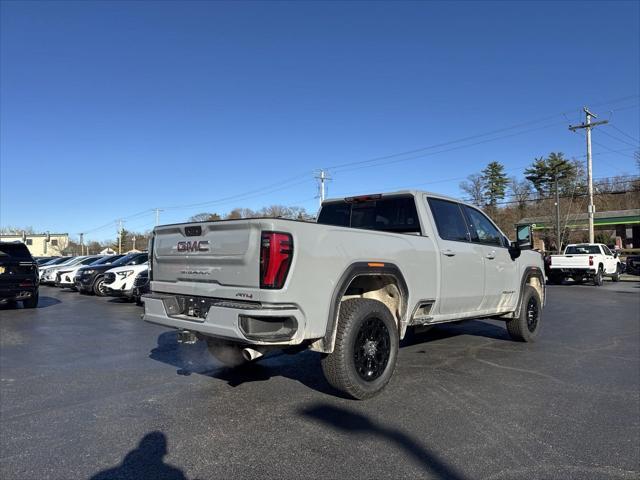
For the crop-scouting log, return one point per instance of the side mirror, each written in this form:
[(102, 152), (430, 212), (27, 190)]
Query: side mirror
[(514, 250), (524, 237), (615, 254)]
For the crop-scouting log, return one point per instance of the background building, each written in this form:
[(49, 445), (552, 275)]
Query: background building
[(41, 244)]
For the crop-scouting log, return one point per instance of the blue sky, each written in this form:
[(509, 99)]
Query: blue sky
[(110, 109)]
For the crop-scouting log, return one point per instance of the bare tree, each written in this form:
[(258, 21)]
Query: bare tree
[(474, 187), (276, 211), (204, 217), (520, 191), (9, 230), (237, 213)]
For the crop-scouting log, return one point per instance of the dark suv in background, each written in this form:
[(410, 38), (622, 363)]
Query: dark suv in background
[(90, 279), (19, 279)]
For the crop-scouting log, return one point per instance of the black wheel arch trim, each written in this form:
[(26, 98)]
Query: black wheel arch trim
[(352, 271)]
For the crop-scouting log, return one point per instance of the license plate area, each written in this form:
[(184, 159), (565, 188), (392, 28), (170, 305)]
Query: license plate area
[(197, 308)]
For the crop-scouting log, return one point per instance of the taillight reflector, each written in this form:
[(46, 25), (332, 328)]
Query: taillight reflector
[(590, 261), (276, 252)]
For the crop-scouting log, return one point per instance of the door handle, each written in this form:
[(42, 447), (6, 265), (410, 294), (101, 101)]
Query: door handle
[(491, 255), (448, 252)]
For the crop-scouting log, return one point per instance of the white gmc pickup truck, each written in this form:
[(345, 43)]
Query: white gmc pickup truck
[(348, 285), (585, 260)]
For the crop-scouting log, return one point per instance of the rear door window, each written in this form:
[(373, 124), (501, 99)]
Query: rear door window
[(449, 220)]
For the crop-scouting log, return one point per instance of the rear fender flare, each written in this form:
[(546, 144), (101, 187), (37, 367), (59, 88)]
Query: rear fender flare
[(352, 272)]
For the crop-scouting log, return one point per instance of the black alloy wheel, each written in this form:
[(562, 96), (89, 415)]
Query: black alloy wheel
[(372, 349), (532, 314)]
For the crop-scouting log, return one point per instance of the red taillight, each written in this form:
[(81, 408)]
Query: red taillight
[(590, 261), (276, 252)]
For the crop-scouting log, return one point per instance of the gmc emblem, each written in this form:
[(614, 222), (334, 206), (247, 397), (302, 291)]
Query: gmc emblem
[(195, 246)]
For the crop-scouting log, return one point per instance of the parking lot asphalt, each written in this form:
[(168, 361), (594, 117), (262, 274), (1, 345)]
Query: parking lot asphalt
[(88, 390)]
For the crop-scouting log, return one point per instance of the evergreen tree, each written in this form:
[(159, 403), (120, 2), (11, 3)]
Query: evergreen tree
[(495, 183), (542, 174), (537, 174)]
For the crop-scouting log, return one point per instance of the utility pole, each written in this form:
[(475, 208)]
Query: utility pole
[(120, 236), (158, 210), (322, 177), (558, 234), (82, 244), (588, 126), (134, 242)]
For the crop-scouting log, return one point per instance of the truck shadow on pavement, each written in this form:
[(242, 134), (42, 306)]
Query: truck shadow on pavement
[(145, 461), (190, 359), (343, 420), (304, 368)]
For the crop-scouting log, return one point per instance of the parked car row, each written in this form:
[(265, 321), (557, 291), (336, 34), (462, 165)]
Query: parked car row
[(123, 276)]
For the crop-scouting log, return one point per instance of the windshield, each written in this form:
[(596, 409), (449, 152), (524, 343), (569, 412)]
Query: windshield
[(396, 214), (107, 260), (55, 261), (582, 250), (124, 260), (90, 260)]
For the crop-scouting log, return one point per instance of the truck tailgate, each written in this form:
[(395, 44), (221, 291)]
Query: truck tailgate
[(226, 253), (570, 261)]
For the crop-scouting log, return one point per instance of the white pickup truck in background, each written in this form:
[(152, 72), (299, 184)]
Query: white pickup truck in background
[(585, 260)]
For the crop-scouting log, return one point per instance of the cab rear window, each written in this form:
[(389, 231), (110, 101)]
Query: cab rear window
[(17, 251), (396, 214), (582, 250)]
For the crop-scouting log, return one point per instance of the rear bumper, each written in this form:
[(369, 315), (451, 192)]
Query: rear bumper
[(573, 270), (230, 322), (8, 294)]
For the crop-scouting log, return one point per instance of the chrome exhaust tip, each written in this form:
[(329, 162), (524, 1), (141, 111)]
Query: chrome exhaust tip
[(250, 354)]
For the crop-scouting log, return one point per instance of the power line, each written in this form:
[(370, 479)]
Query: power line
[(620, 139), (286, 184), (551, 197), (240, 195), (422, 155), (625, 134), (472, 137)]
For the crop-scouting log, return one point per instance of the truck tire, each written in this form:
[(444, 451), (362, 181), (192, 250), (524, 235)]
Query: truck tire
[(99, 288), (366, 349), (598, 278), (616, 276), (525, 327), (31, 302), (226, 352)]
